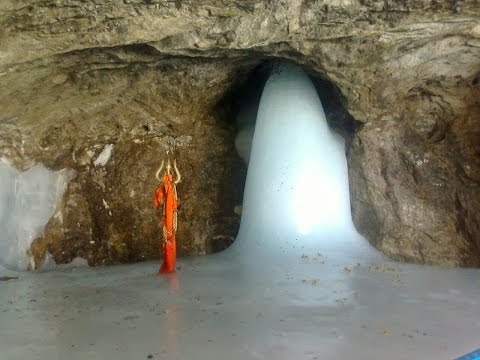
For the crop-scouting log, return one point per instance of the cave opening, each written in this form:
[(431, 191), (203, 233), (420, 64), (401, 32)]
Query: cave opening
[(292, 134)]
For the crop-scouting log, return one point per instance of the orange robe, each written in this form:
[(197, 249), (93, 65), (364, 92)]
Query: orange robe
[(167, 194)]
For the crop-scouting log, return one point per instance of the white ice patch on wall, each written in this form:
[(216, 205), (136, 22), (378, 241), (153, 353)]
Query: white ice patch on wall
[(104, 156), (297, 182), (28, 200)]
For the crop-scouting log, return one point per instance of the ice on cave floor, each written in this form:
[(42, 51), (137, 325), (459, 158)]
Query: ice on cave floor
[(28, 200), (331, 305)]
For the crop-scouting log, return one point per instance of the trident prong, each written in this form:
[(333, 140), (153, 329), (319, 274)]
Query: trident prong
[(179, 176), (158, 172)]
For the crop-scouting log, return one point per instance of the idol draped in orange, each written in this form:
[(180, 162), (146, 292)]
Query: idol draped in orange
[(166, 194)]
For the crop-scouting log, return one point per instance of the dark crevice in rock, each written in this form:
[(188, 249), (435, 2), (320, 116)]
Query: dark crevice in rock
[(247, 89)]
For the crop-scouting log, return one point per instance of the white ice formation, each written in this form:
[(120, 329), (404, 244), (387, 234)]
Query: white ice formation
[(297, 182), (28, 200)]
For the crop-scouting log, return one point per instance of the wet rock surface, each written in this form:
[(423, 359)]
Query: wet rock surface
[(78, 78)]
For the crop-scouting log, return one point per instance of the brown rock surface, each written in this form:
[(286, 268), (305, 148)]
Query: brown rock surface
[(76, 76)]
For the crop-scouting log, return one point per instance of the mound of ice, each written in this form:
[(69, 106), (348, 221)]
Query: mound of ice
[(297, 184)]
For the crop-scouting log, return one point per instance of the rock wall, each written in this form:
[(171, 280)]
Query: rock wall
[(112, 123), (142, 76)]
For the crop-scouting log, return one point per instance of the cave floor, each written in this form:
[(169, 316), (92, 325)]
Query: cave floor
[(314, 306)]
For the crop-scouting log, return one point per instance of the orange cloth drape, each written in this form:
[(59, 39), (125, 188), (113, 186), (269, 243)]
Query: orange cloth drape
[(166, 194)]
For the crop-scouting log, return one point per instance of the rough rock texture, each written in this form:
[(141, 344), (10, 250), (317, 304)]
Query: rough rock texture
[(78, 75), (113, 123)]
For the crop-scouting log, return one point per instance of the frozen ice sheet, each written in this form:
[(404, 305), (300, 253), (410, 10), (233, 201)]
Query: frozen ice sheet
[(323, 304)]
